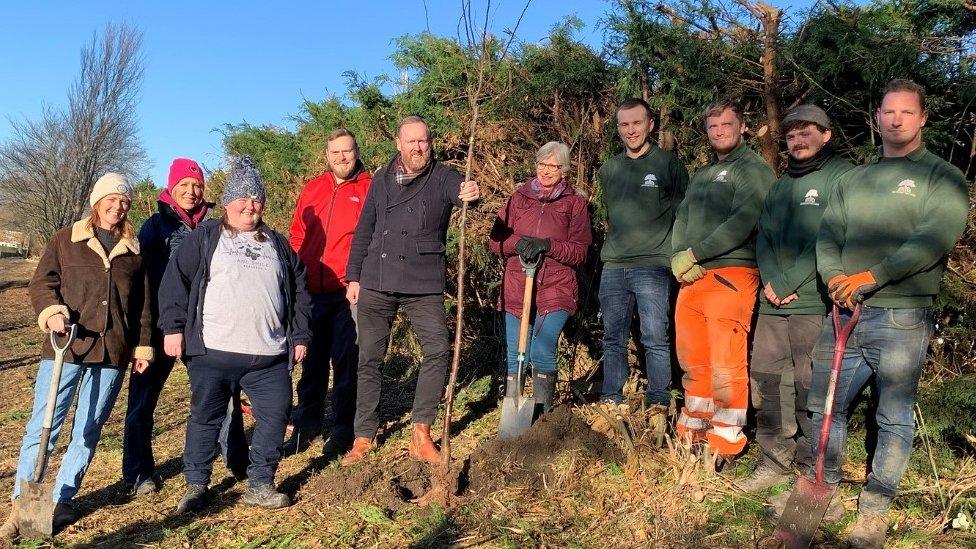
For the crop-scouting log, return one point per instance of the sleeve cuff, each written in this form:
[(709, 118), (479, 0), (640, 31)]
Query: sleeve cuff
[(144, 353), (780, 289), (48, 312), (827, 276)]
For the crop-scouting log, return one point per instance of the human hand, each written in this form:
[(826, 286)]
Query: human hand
[(173, 345), (301, 351), (140, 365), (530, 248), (696, 272), (770, 295), (789, 298), (469, 192), (681, 262), (352, 293), (56, 323)]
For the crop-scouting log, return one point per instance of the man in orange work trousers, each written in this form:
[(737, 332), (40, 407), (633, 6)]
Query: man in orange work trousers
[(715, 262)]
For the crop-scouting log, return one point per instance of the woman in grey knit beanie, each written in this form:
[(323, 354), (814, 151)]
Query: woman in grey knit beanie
[(244, 181)]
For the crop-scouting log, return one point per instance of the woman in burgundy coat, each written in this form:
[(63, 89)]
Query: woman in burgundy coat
[(545, 220)]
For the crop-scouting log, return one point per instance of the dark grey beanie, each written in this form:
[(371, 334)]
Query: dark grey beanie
[(244, 181), (807, 113)]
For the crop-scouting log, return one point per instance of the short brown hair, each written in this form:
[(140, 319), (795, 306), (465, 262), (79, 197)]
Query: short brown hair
[(634, 103), (412, 119), (341, 132), (906, 85), (720, 105)]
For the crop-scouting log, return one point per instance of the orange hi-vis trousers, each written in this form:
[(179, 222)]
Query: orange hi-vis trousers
[(712, 319)]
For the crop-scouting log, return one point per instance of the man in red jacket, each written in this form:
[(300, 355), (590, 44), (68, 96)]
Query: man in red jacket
[(321, 233)]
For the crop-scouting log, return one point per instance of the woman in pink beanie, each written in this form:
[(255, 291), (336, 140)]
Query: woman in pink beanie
[(181, 208)]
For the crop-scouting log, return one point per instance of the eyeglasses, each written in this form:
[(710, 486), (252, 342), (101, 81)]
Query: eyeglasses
[(547, 166)]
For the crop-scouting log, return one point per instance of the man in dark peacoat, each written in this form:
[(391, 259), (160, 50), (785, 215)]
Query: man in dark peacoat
[(397, 260)]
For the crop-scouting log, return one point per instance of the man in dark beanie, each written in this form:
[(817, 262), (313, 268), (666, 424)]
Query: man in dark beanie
[(793, 301), (397, 261)]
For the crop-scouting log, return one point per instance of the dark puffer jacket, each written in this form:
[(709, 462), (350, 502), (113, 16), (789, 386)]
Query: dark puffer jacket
[(565, 220)]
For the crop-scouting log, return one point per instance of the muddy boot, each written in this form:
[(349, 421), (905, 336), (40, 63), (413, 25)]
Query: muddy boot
[(193, 500), (265, 496), (9, 529), (766, 475), (544, 390), (360, 447), (64, 516), (657, 420), (870, 531), (422, 446)]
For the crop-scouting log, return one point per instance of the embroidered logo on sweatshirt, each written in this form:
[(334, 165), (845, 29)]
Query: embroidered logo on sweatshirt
[(650, 180), (811, 198), (906, 187), (354, 198), (722, 177)]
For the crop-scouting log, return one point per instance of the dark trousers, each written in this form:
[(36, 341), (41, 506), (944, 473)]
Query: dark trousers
[(781, 373), (334, 340), (214, 377), (377, 310), (138, 463), (649, 290)]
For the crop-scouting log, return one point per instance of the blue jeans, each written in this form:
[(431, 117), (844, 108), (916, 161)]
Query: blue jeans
[(540, 345), (100, 384), (138, 462), (889, 344), (334, 341), (214, 378), (650, 289)]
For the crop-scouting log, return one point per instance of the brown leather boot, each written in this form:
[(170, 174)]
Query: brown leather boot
[(422, 446), (360, 447)]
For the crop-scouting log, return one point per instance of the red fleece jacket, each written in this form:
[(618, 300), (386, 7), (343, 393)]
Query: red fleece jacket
[(322, 229)]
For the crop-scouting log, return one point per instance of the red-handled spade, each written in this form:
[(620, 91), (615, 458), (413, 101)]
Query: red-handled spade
[(808, 503)]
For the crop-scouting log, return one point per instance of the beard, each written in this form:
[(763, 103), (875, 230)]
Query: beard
[(343, 171), (415, 163)]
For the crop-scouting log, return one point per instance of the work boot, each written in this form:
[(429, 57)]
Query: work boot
[(151, 485), (764, 476), (193, 500), (777, 503), (422, 446), (265, 496), (544, 389), (360, 447), (870, 530), (64, 516), (657, 420), (9, 529)]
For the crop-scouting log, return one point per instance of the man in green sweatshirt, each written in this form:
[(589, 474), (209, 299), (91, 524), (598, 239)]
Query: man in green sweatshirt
[(715, 261), (642, 188), (884, 238), (793, 300)]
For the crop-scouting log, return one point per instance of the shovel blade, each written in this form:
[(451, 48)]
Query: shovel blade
[(36, 515), (804, 512), (517, 412)]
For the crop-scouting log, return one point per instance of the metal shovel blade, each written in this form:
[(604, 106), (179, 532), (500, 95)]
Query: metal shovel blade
[(803, 513), (36, 516), (517, 412)]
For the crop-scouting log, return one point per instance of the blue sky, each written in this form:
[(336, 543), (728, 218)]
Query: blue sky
[(213, 63)]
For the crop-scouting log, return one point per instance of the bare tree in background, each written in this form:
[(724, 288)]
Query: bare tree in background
[(49, 165)]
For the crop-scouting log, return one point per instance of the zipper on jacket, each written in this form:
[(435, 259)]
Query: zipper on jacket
[(328, 225)]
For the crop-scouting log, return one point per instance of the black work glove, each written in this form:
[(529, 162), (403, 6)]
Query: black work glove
[(530, 248)]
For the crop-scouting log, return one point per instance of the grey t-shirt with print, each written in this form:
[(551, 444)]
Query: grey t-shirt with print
[(244, 305)]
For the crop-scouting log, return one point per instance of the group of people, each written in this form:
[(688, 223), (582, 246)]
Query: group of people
[(240, 304)]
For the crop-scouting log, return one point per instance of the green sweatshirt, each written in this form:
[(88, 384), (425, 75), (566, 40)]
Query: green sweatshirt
[(717, 218), (641, 196), (786, 242), (898, 218)]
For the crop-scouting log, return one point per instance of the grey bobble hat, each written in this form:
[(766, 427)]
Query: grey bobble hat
[(807, 113), (244, 181)]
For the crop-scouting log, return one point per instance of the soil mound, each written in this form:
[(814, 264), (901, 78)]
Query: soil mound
[(525, 459), (380, 484)]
